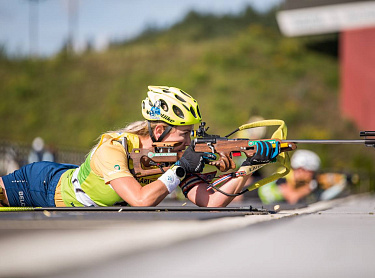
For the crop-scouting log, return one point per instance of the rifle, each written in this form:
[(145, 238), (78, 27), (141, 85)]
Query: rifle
[(163, 156)]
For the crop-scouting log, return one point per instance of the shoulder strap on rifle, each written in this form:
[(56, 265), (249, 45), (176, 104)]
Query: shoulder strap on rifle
[(124, 142), (283, 158)]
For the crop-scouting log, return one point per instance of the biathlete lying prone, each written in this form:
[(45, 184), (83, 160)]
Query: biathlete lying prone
[(105, 178)]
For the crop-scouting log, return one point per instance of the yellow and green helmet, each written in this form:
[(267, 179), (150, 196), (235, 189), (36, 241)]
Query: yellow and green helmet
[(171, 105)]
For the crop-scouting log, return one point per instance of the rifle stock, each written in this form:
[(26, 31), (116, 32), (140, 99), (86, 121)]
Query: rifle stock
[(161, 155)]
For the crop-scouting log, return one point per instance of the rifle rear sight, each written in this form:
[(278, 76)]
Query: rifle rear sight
[(202, 132)]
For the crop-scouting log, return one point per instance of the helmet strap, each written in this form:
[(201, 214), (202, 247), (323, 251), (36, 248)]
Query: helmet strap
[(166, 131), (151, 132)]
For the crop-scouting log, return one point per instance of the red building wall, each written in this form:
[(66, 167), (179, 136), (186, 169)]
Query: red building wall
[(357, 51)]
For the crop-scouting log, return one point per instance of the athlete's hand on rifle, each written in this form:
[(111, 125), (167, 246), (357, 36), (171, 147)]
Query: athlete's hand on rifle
[(193, 162), (265, 153)]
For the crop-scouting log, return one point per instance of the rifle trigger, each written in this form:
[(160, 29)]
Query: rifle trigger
[(209, 144)]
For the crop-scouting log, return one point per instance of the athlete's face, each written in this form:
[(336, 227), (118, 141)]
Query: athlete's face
[(301, 174), (180, 134)]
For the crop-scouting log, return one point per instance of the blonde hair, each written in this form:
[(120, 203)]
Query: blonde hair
[(139, 128)]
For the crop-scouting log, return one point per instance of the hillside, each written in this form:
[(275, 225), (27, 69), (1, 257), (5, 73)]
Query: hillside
[(70, 100)]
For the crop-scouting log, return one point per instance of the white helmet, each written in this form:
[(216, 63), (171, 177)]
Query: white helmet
[(38, 144), (305, 159)]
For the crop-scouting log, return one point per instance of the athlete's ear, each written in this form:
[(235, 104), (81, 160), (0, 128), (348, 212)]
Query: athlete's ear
[(158, 131)]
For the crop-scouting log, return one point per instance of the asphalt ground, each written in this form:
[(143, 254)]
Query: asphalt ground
[(326, 239)]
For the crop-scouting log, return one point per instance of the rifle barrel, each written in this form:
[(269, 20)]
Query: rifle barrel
[(329, 141)]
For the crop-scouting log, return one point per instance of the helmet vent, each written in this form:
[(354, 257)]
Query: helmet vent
[(178, 112), (185, 94), (193, 112), (180, 98), (166, 91), (164, 105), (199, 112), (185, 107), (143, 105)]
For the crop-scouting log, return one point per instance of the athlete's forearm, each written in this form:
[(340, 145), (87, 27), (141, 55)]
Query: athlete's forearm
[(136, 195), (210, 198)]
